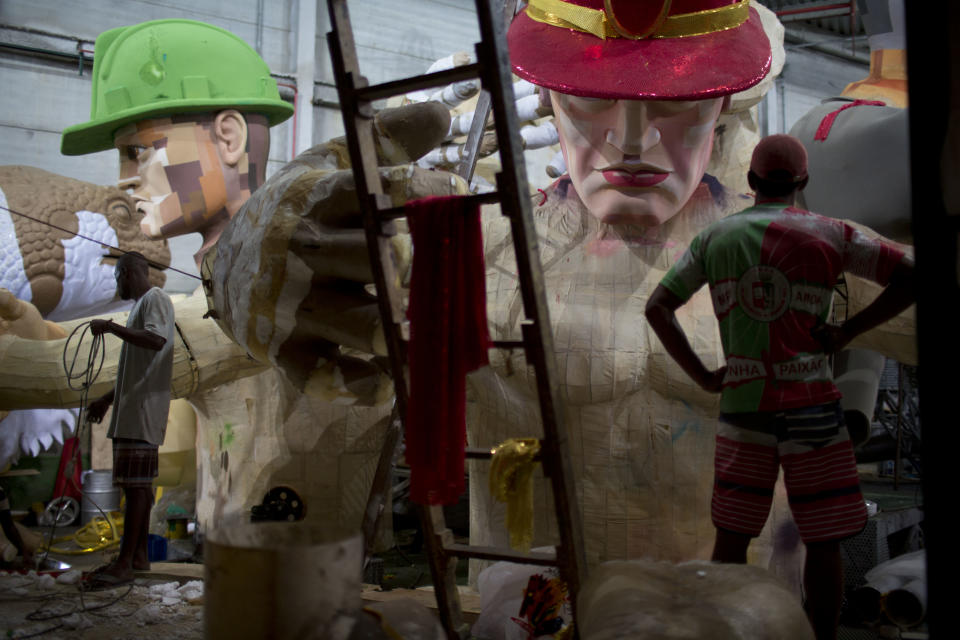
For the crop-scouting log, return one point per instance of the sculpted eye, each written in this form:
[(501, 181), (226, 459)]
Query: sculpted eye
[(121, 209), (674, 107), (677, 106), (590, 105), (134, 151)]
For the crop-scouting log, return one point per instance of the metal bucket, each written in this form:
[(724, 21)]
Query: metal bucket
[(98, 491), (281, 580)]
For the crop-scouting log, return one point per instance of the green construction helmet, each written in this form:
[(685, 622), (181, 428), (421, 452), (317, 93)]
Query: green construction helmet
[(165, 67)]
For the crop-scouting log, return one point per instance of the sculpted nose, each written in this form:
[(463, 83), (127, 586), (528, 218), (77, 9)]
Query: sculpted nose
[(129, 183), (129, 175), (634, 132)]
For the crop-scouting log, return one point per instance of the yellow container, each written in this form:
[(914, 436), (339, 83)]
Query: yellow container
[(177, 527)]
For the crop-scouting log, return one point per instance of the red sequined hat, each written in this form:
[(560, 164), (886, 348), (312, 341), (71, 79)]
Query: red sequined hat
[(640, 49)]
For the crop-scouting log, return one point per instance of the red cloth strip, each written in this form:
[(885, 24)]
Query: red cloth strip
[(448, 338), (827, 123)]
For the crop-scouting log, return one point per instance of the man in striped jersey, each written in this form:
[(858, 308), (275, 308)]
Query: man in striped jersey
[(771, 270)]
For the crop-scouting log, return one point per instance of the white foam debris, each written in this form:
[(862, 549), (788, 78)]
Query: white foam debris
[(192, 585), (76, 621), (70, 577), (163, 589), (46, 582), (150, 614), (192, 592)]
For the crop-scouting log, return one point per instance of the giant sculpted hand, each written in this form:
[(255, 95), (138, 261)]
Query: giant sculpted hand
[(23, 319), (289, 276)]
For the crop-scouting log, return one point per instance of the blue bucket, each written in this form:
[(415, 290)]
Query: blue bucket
[(156, 548)]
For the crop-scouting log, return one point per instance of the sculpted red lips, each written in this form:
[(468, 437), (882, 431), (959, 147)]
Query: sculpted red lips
[(640, 178)]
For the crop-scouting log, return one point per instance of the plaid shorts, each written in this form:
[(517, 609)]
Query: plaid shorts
[(813, 446), (134, 463)]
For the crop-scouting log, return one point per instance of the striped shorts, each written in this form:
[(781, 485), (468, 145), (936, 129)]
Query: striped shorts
[(813, 446), (134, 463)]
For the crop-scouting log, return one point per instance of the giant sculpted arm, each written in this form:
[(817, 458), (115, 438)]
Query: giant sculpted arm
[(289, 277), (32, 375)]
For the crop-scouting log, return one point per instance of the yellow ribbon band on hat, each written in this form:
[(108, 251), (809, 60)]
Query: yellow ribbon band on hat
[(594, 21), (511, 481)]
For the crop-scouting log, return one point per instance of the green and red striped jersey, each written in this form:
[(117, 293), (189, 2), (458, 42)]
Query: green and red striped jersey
[(771, 271)]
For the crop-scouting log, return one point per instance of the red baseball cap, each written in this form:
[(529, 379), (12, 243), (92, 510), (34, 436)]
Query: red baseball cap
[(779, 158), (640, 49)]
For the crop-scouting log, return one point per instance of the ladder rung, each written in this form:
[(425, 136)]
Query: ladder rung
[(497, 553), (478, 453), (415, 83), (480, 198), (509, 344)]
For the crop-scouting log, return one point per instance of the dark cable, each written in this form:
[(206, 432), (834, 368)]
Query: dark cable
[(90, 373), (38, 633), (103, 605), (95, 358)]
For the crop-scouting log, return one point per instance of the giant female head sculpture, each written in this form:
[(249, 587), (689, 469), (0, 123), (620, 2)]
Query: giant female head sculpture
[(636, 88)]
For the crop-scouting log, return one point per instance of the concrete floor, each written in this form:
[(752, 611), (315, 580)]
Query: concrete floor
[(162, 603), (153, 607), (51, 605)]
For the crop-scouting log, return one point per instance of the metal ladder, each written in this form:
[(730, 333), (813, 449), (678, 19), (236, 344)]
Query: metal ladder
[(356, 97)]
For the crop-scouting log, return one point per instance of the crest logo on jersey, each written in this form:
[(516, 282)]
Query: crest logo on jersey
[(763, 293)]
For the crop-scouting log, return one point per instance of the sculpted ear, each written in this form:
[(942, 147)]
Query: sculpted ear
[(230, 129)]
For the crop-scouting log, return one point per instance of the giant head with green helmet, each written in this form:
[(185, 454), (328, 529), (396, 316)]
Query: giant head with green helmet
[(188, 106)]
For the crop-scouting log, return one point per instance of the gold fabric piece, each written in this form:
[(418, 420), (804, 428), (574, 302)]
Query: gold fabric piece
[(570, 16), (701, 23), (566, 633), (594, 21), (511, 481)]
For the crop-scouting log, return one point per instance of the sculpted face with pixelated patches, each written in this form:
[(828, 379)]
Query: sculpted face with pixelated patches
[(191, 173), (635, 162)]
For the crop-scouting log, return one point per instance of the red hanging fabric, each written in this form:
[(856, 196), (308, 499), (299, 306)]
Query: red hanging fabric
[(827, 123), (448, 339), (68, 479)]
